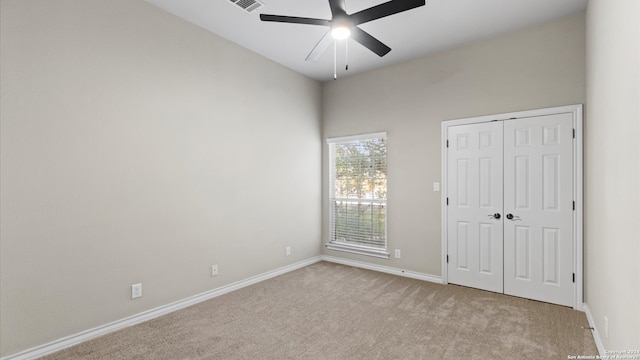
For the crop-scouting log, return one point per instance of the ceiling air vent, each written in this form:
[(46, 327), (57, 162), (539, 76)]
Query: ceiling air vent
[(248, 5)]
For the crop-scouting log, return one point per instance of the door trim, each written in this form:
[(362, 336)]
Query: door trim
[(576, 111)]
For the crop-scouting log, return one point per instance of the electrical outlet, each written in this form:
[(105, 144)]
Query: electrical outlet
[(398, 254), (287, 250), (136, 290), (606, 327), (214, 270)]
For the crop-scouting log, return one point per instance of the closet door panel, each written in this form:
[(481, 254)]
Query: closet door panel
[(538, 207), (475, 195)]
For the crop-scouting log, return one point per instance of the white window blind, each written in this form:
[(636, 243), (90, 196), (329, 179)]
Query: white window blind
[(358, 193)]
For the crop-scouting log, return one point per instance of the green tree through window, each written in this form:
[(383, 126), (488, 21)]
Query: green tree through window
[(358, 198)]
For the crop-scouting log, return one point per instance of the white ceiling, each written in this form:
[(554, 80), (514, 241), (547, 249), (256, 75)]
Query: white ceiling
[(438, 25)]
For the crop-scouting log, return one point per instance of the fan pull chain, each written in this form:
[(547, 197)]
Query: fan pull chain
[(346, 54), (335, 60)]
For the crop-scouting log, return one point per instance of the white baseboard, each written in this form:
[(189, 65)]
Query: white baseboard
[(384, 269), (596, 334), (75, 339)]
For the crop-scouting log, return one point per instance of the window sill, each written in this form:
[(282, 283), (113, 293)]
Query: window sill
[(358, 250)]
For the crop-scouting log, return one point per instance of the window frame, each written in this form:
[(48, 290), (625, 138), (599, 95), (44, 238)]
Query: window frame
[(353, 248)]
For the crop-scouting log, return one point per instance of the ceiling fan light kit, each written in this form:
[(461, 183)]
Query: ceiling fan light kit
[(343, 25), (340, 31)]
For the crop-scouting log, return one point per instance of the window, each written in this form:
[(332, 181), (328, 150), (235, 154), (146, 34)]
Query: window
[(358, 194)]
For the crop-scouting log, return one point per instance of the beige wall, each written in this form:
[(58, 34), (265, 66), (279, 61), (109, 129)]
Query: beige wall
[(533, 68), (612, 191), (136, 147)]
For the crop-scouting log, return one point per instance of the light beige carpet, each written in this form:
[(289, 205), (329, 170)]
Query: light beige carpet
[(330, 311)]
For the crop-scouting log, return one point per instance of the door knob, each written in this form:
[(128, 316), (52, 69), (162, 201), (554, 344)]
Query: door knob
[(510, 217), (495, 216)]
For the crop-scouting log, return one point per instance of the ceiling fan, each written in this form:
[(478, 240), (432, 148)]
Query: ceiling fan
[(343, 25)]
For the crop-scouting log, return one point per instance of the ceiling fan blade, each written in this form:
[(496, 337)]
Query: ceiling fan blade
[(337, 7), (294, 20), (385, 9), (369, 41), (320, 47)]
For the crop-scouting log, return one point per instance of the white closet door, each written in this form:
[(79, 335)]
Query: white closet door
[(475, 194), (538, 208)]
